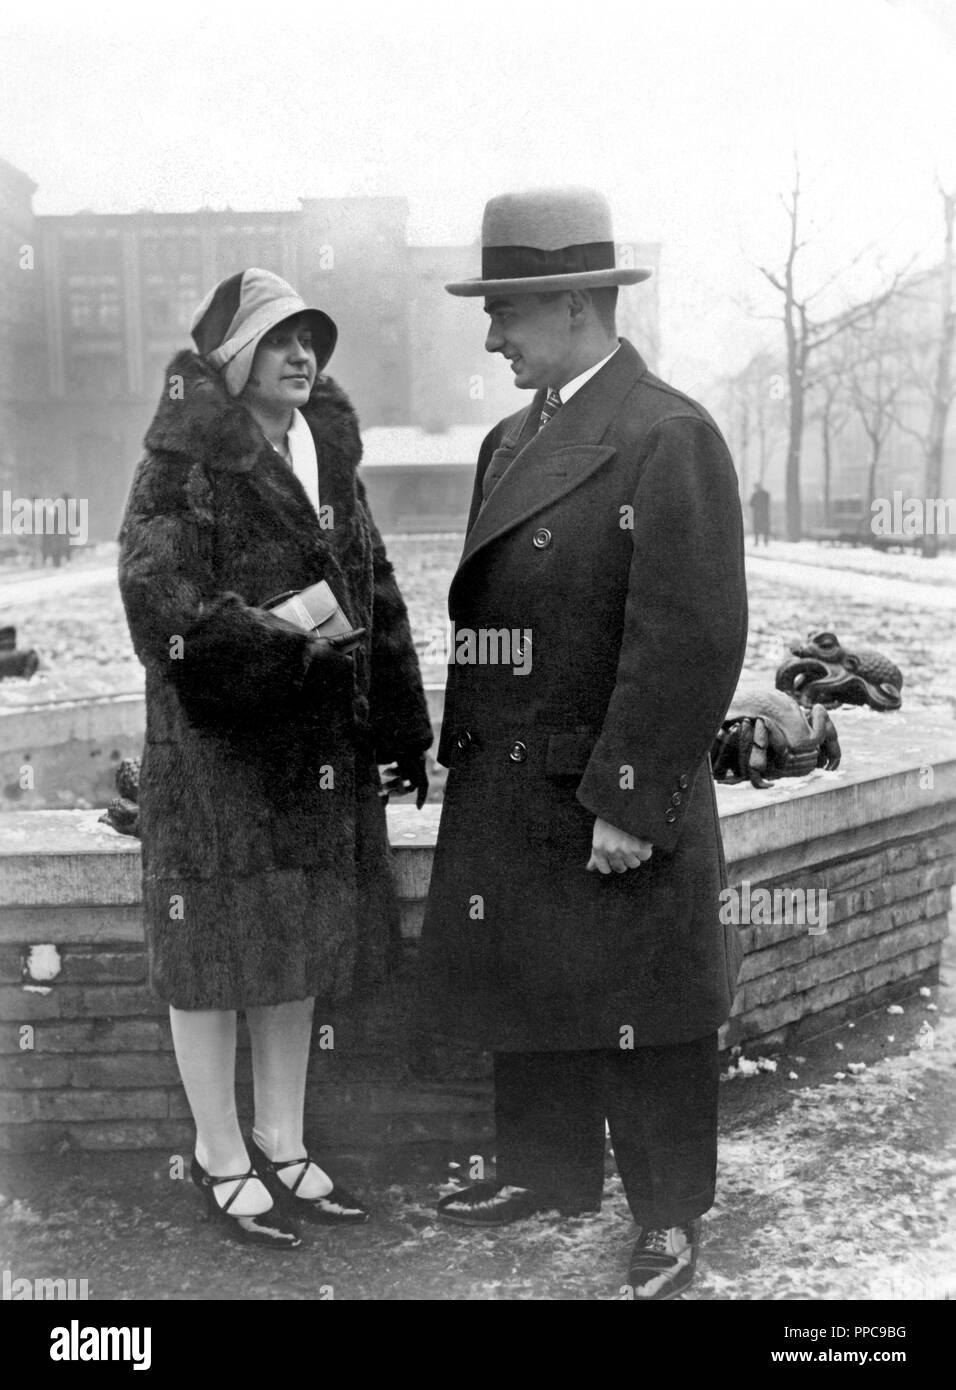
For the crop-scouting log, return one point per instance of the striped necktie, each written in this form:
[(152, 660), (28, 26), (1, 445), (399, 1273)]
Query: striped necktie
[(550, 408)]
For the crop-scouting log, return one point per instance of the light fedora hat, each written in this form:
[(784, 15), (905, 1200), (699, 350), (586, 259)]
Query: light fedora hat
[(547, 239), (236, 315)]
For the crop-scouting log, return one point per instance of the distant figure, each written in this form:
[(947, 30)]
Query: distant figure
[(54, 541), (65, 546), (760, 506)]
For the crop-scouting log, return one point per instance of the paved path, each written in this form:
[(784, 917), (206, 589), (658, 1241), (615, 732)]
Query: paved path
[(19, 586), (889, 590)]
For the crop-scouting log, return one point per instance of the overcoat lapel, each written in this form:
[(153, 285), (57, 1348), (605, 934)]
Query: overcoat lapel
[(521, 433), (538, 467)]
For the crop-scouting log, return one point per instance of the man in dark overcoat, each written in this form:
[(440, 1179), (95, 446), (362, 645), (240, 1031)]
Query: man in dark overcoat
[(760, 506), (599, 624)]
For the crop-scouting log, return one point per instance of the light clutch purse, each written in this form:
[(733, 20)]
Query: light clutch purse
[(316, 609)]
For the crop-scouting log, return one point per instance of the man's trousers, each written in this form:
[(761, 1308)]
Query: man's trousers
[(660, 1104)]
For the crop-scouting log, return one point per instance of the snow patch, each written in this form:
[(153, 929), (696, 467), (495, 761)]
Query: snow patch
[(43, 963), (747, 1067)]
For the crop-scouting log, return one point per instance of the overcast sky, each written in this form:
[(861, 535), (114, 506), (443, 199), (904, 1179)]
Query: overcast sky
[(686, 114)]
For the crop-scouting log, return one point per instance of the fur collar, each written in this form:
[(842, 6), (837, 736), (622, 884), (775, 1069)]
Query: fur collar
[(197, 416)]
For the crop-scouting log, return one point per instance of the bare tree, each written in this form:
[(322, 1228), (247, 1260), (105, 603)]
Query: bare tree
[(929, 363), (875, 380), (736, 414), (944, 387), (805, 335), (754, 407), (832, 412)]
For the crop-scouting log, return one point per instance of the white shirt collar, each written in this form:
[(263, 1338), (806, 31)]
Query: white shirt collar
[(568, 390)]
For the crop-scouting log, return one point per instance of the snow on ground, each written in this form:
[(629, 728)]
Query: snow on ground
[(847, 1193), (74, 617), (827, 1189), (815, 576), (862, 560)]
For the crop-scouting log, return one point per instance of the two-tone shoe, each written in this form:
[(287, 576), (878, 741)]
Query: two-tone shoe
[(663, 1262), (336, 1208)]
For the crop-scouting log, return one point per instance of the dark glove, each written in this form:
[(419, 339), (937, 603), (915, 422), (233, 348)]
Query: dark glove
[(327, 669), (410, 775)]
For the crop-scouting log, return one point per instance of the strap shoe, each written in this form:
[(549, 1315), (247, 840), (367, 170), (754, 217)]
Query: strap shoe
[(335, 1208), (270, 1228)]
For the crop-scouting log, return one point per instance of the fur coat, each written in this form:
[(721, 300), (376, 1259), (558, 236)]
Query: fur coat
[(265, 858)]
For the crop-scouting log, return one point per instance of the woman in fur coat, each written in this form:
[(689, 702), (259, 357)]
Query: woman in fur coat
[(265, 858)]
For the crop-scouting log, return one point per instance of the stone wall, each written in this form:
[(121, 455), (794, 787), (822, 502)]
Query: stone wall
[(85, 1053)]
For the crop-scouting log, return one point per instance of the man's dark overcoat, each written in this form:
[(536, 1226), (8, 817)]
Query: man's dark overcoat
[(265, 857), (614, 535)]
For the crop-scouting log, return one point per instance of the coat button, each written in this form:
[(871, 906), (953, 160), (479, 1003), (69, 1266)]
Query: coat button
[(463, 740), (517, 752), (670, 817), (676, 799), (683, 782), (541, 538)]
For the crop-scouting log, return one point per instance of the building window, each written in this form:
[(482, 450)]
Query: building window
[(80, 309), (170, 300), (171, 252), (238, 248), (91, 252), (94, 303)]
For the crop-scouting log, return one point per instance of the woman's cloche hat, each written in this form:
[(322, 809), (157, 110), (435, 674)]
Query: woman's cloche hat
[(234, 317), (547, 239)]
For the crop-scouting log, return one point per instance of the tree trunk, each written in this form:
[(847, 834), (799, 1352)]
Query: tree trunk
[(876, 448), (827, 464), (793, 501), (942, 387)]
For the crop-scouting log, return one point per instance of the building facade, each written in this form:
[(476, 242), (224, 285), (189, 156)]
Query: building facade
[(20, 311), (87, 332)]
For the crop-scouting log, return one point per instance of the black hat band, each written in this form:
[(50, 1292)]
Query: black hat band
[(529, 262)]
